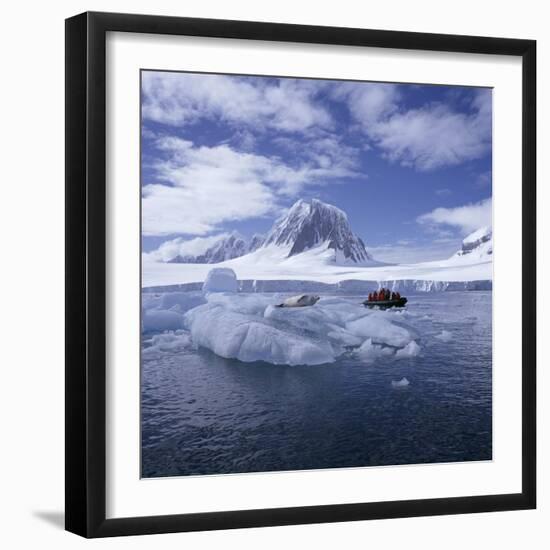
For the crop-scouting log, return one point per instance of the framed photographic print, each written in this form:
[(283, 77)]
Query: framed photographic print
[(300, 274)]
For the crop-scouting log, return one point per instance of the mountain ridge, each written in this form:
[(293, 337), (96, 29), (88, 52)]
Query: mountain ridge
[(304, 227), (477, 246), (310, 224), (318, 229)]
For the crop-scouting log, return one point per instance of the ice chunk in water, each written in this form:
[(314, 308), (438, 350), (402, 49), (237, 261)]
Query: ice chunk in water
[(412, 349), (161, 320), (221, 279), (403, 383), (250, 338), (172, 341), (248, 327), (369, 352), (445, 336), (380, 329), (150, 301)]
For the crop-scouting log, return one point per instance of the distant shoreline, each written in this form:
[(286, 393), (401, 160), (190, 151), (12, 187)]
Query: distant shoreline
[(346, 286)]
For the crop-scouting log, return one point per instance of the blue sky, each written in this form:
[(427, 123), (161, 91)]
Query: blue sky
[(409, 164)]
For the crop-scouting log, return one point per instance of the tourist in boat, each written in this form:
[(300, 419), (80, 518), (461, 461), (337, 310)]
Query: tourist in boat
[(384, 299)]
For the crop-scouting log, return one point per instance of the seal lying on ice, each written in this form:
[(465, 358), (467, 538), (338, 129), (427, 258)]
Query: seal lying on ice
[(300, 301)]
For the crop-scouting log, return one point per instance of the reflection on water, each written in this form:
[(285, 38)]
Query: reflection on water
[(202, 414)]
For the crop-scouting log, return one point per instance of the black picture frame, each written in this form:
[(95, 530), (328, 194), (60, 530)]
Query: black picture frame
[(86, 274)]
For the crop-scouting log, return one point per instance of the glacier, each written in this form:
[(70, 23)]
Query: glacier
[(165, 282)]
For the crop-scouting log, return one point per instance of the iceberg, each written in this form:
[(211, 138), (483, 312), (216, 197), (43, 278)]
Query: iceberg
[(221, 279), (249, 327), (369, 352), (381, 330), (444, 336), (400, 384), (412, 349), (161, 320), (249, 338), (169, 341)]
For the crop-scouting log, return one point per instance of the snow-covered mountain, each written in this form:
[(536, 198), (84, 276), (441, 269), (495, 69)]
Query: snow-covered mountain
[(313, 244), (476, 247), (256, 241), (224, 249), (309, 225)]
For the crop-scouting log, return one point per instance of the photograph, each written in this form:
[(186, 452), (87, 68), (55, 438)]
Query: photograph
[(316, 273)]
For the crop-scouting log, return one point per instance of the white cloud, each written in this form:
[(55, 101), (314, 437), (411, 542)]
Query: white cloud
[(369, 103), (433, 137), (425, 138), (466, 218), (183, 247), (199, 188), (326, 152), (183, 98)]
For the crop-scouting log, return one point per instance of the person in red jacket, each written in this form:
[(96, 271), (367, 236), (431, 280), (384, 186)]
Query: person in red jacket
[(375, 296), (370, 297)]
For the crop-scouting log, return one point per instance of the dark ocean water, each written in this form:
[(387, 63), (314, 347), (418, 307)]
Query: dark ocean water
[(202, 414)]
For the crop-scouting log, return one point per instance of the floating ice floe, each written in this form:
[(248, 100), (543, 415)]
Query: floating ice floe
[(251, 338), (445, 336), (164, 312), (412, 349), (400, 384), (248, 326), (381, 329), (161, 319), (170, 341), (370, 352)]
